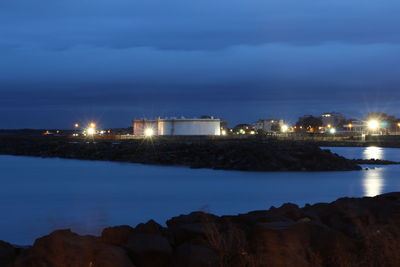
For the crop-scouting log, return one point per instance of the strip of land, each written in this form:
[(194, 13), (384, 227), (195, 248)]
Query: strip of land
[(224, 154)]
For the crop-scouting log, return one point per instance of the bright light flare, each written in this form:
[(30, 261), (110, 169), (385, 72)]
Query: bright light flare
[(373, 124), (284, 128), (332, 130), (91, 131), (149, 132)]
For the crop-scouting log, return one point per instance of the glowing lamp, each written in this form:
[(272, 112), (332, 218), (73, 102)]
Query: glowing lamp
[(284, 128), (149, 132), (332, 130), (91, 131), (373, 124)]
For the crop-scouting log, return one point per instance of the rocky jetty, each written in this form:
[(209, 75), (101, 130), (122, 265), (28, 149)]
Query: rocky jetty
[(375, 161), (244, 155), (347, 232)]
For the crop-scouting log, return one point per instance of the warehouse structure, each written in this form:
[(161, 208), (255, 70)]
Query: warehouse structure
[(177, 126)]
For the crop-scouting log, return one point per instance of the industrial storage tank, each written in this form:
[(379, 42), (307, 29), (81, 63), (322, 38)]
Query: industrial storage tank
[(209, 126), (178, 126)]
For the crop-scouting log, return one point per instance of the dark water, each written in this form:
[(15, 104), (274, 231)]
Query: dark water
[(40, 195)]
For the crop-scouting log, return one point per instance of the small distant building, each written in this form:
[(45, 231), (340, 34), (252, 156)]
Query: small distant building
[(177, 126), (243, 129), (269, 125), (355, 126), (332, 119)]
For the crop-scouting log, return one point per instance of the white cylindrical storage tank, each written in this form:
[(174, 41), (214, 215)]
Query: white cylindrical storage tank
[(189, 127)]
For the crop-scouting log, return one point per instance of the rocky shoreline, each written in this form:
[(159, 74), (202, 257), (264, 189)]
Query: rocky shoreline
[(375, 161), (346, 232), (243, 155)]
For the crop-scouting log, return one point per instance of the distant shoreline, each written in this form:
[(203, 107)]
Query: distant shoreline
[(223, 154)]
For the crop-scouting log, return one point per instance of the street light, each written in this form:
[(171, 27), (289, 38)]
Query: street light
[(332, 130), (149, 132), (284, 128), (91, 131), (373, 124)]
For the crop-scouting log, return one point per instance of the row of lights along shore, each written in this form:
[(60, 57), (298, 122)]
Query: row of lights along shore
[(91, 129)]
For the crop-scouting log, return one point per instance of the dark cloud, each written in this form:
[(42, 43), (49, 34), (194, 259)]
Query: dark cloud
[(238, 59)]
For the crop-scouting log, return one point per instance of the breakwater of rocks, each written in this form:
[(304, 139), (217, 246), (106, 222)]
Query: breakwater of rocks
[(347, 232), (244, 155)]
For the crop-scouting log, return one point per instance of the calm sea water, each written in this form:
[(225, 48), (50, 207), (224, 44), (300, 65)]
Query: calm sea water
[(40, 195)]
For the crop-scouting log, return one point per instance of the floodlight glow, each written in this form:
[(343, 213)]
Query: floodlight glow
[(149, 132), (284, 128), (223, 132), (332, 130), (92, 125), (91, 131), (373, 124)]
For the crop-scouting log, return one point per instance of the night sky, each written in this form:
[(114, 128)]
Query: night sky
[(117, 60)]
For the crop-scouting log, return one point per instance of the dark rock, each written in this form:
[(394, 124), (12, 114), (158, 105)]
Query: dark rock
[(64, 248), (194, 255), (149, 250), (117, 235), (347, 232), (7, 253)]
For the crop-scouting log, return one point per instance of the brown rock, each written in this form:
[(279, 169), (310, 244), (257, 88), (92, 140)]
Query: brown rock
[(149, 250), (64, 248), (117, 235), (7, 253), (194, 255)]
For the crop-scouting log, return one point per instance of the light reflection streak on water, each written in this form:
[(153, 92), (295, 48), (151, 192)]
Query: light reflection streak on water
[(373, 182), (373, 152)]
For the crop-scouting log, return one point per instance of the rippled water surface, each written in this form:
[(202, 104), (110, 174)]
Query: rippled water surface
[(39, 195)]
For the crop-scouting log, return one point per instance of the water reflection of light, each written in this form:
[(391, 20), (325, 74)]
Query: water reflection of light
[(373, 152), (373, 182)]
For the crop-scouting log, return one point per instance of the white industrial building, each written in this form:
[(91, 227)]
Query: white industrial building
[(177, 126)]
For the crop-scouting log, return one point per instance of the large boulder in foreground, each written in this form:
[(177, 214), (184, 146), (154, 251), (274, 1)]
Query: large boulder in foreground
[(7, 253), (148, 244), (347, 232), (64, 248)]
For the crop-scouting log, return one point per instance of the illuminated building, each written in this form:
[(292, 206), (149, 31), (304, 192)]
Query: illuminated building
[(177, 126)]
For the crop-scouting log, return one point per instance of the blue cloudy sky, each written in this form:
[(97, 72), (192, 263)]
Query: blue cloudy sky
[(63, 61)]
